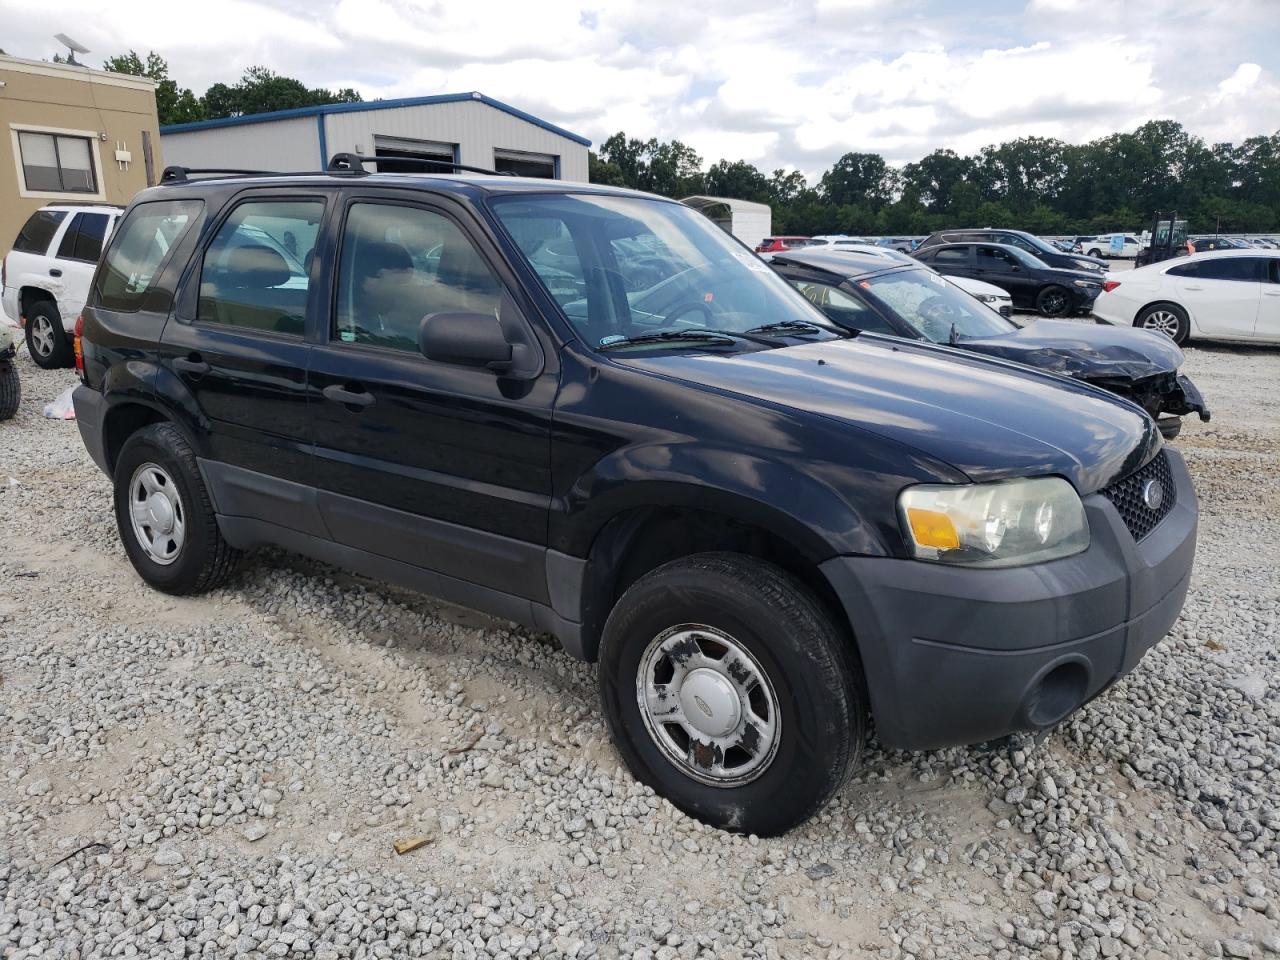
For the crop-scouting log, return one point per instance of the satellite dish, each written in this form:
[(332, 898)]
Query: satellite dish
[(73, 47)]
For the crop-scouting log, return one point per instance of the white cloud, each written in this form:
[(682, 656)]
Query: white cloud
[(782, 83)]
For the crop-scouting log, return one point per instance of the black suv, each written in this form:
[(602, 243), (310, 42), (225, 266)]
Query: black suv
[(1032, 283), (1024, 241), (594, 413)]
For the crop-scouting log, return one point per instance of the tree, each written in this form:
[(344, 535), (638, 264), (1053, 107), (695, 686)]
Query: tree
[(739, 180), (262, 91), (935, 179), (859, 178), (173, 104)]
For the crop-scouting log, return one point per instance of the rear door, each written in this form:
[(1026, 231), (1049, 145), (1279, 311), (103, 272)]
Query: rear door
[(953, 261), (238, 345), (439, 465), (77, 257), (1221, 294)]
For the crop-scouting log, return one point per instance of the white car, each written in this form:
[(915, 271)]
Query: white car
[(46, 275), (997, 298), (1121, 246), (1222, 295)]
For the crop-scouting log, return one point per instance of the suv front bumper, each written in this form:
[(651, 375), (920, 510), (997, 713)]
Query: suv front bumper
[(958, 656)]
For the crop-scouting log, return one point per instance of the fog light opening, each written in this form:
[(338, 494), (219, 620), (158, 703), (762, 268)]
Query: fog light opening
[(1060, 691)]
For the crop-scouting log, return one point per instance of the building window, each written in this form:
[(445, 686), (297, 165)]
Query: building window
[(400, 154), (526, 164), (56, 163)]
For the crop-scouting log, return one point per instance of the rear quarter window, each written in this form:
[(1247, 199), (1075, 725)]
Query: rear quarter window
[(139, 250), (37, 233)]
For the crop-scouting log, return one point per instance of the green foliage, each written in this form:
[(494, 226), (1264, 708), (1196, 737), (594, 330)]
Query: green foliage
[(258, 91), (1032, 183)]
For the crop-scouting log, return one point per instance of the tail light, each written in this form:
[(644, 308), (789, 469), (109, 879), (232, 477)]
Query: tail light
[(78, 346), (1109, 285)]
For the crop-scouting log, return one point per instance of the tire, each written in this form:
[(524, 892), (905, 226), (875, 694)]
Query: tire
[(10, 389), (1053, 301), (188, 555), (47, 342), (1096, 254), (798, 669), (1167, 318)]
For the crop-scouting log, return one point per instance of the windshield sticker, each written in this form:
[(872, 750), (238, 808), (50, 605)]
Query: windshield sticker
[(613, 338), (939, 279), (752, 262)]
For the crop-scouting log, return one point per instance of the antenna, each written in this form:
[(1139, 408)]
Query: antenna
[(73, 47)]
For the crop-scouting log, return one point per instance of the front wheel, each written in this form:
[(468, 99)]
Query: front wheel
[(1053, 301), (48, 343), (1167, 318), (1096, 254), (731, 692)]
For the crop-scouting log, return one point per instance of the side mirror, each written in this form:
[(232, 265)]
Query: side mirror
[(469, 339)]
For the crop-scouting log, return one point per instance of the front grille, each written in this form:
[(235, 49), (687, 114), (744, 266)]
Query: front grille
[(1126, 496)]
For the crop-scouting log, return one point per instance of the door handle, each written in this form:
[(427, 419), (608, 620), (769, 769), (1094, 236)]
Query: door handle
[(55, 271), (1189, 287), (348, 398), (192, 364)]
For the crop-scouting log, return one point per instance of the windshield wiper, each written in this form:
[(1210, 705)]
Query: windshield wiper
[(799, 327), (662, 336)]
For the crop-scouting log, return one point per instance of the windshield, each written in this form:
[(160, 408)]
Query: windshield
[(935, 308), (622, 268)]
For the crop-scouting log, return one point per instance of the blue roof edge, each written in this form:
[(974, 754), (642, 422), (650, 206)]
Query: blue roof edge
[(328, 108)]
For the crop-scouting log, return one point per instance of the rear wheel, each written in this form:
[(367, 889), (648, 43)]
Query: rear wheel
[(10, 389), (165, 516), (1096, 254), (730, 691), (1053, 301), (46, 340), (1167, 318)]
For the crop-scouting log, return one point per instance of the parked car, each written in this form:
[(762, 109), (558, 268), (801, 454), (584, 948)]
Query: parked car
[(1026, 242), (993, 296), (764, 528), (1032, 283), (1223, 295), (10, 384), (906, 300), (1122, 246), (778, 244), (45, 277), (835, 239)]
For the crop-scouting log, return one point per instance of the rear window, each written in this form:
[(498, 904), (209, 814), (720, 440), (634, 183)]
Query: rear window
[(83, 238), (38, 231), (139, 249)]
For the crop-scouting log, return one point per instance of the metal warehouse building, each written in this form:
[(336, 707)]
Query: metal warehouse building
[(467, 128)]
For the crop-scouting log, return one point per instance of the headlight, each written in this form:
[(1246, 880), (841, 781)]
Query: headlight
[(987, 297), (1085, 283), (1004, 524)]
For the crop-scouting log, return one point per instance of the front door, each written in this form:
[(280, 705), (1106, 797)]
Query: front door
[(993, 264), (439, 465), (238, 342)]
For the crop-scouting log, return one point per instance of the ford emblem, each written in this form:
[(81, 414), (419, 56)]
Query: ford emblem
[(1153, 494)]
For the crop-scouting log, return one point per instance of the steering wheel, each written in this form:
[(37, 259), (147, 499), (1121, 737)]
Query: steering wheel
[(938, 316), (680, 309)]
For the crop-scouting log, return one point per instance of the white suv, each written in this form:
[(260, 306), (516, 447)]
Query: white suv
[(46, 275)]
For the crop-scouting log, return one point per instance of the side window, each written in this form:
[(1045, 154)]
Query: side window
[(37, 233), (842, 308), (400, 264), (139, 248), (993, 258), (254, 273), (1021, 242), (83, 239), (1247, 269), (953, 256)]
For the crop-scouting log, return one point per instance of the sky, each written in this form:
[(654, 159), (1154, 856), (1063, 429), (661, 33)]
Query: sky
[(788, 84)]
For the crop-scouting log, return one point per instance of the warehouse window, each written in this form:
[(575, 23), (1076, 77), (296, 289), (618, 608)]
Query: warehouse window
[(57, 163), (403, 152), (526, 164)]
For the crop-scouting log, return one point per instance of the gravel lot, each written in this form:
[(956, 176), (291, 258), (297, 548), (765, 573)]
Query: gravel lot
[(226, 776)]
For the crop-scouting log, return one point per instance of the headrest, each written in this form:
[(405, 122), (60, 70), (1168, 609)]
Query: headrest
[(256, 266)]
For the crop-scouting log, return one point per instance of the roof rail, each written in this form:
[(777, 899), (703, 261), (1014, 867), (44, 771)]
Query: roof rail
[(353, 163), (177, 174)]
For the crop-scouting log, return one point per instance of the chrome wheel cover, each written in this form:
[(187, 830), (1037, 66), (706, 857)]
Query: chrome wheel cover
[(1162, 321), (42, 335), (156, 514), (708, 705)]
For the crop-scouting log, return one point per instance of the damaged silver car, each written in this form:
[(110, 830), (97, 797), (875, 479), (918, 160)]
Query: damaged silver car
[(910, 300)]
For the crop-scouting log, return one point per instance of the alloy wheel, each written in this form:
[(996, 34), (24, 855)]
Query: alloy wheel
[(1162, 321), (156, 513), (42, 335)]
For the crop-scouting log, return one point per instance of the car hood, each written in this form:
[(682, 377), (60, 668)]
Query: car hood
[(1085, 350), (982, 417)]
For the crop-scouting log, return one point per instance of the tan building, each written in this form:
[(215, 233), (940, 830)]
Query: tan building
[(69, 134)]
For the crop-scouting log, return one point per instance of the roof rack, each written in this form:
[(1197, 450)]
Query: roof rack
[(353, 163), (177, 174)]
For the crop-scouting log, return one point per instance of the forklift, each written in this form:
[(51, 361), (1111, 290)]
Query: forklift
[(1168, 240)]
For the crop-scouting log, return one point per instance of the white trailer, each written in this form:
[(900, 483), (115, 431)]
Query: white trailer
[(749, 222)]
